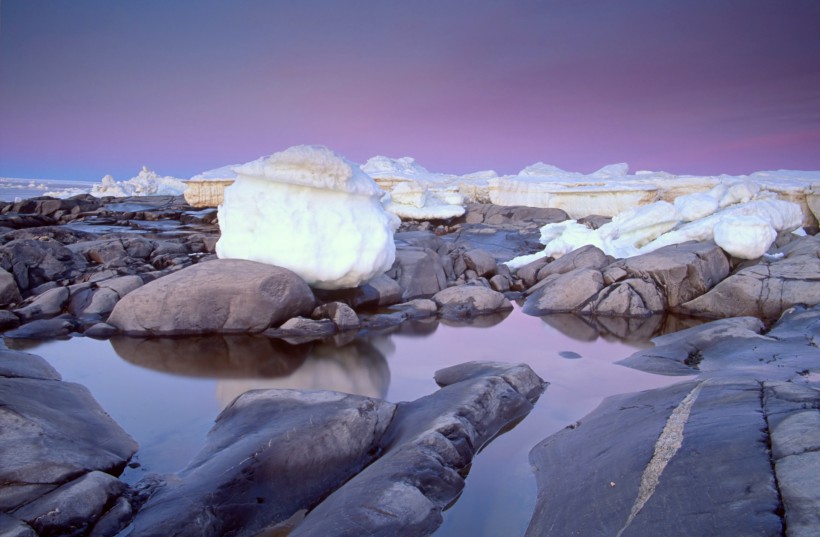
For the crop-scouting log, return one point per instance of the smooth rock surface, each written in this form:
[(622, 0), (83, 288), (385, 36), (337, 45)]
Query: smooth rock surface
[(470, 301), (271, 454), (226, 295), (569, 291), (691, 459)]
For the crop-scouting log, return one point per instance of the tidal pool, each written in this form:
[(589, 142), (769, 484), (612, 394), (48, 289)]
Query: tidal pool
[(167, 392)]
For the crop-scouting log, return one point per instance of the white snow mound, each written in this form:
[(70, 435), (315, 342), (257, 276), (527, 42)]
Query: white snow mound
[(311, 211)]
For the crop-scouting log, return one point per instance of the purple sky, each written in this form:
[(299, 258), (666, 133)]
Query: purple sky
[(696, 86)]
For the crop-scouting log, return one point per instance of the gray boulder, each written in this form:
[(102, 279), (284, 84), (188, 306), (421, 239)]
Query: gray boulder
[(419, 272), (426, 451), (9, 293), (767, 289), (225, 295), (480, 261), (681, 272), (34, 262), (470, 301), (271, 454), (47, 304), (51, 432), (43, 329), (340, 313), (632, 297), (569, 291), (73, 508), (584, 257)]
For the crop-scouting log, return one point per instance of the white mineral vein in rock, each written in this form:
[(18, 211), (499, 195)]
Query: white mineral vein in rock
[(667, 445)]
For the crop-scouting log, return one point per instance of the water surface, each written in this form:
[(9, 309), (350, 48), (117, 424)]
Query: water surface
[(166, 393)]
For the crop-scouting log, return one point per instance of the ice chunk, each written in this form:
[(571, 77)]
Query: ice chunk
[(146, 183), (311, 211), (696, 206), (747, 237)]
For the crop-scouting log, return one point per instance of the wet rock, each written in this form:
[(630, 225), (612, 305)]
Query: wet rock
[(767, 289), (226, 295), (383, 321), (681, 272), (418, 308), (9, 293), (73, 508), (301, 327), (271, 454), (500, 283), (340, 313), (48, 304), (470, 301), (114, 519), (43, 329), (570, 291), (100, 331), (34, 262), (51, 432), (426, 450), (691, 459)]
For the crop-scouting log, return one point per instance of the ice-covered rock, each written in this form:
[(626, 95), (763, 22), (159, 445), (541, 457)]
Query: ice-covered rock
[(311, 211), (412, 200)]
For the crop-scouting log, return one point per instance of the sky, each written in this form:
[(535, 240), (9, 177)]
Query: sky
[(95, 87)]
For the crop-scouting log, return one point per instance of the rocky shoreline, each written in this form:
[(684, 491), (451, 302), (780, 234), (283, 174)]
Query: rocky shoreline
[(145, 268)]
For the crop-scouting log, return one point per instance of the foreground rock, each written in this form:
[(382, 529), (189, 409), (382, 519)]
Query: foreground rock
[(694, 458), (60, 450), (274, 454), (428, 446), (691, 459), (225, 295), (270, 454)]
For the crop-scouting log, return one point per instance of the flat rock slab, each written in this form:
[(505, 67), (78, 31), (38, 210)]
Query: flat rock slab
[(691, 459), (731, 346), (470, 301), (224, 295)]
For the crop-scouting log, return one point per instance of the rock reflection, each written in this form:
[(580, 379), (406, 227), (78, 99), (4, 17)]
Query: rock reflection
[(213, 356), (358, 368), (633, 330), (480, 321), (246, 362)]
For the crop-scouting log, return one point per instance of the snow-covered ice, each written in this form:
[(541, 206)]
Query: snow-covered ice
[(311, 211), (741, 218)]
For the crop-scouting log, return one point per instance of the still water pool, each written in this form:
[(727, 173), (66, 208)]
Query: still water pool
[(167, 392)]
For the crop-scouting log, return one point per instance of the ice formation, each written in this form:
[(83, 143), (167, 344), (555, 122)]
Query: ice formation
[(740, 217), (207, 189), (312, 211), (146, 183), (416, 193)]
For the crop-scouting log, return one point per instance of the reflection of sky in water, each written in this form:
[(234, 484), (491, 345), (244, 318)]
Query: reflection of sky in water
[(169, 411)]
